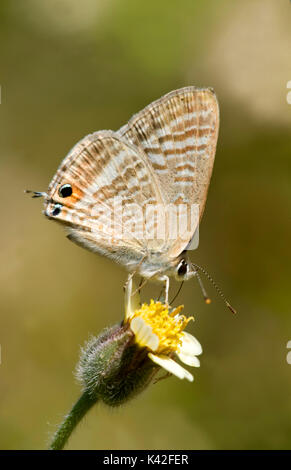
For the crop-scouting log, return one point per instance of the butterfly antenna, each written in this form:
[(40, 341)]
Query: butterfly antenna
[(218, 290), (35, 193), (204, 293)]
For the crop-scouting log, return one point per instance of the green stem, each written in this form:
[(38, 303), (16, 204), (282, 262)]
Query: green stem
[(65, 429)]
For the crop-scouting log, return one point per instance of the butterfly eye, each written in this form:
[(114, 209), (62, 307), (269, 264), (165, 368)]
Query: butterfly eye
[(57, 209), (65, 190), (182, 268)]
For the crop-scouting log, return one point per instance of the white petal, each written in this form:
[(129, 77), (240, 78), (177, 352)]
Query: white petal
[(144, 334), (140, 328), (153, 342), (189, 360), (190, 345), (171, 366)]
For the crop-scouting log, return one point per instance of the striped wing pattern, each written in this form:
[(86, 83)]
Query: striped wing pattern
[(178, 133), (101, 168), (164, 155)]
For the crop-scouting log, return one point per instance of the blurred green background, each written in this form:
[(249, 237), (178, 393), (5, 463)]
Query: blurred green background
[(69, 68)]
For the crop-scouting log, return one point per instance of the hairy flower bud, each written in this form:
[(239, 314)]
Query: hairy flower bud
[(113, 367)]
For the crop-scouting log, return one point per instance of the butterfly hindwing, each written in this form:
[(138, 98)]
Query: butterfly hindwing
[(178, 133)]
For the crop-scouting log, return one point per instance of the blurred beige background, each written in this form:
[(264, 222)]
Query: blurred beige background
[(69, 68)]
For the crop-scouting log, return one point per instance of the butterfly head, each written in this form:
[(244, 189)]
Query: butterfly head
[(58, 201), (184, 270)]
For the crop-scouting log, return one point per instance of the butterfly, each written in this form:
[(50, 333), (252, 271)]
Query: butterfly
[(163, 157)]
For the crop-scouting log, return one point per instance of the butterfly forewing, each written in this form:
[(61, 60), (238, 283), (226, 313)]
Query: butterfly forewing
[(112, 183)]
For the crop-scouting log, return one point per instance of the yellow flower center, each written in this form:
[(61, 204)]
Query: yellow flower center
[(168, 327)]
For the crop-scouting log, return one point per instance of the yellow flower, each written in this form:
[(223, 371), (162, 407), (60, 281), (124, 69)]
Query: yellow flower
[(160, 330)]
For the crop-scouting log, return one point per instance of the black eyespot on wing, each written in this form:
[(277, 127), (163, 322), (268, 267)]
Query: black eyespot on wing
[(57, 209), (182, 268), (65, 190)]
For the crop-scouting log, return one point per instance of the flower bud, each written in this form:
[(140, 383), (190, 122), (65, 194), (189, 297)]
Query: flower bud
[(113, 367)]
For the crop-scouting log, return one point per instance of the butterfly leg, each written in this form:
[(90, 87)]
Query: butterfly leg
[(162, 377), (129, 282), (132, 299), (160, 296), (127, 293), (141, 283), (128, 285), (166, 280), (167, 286)]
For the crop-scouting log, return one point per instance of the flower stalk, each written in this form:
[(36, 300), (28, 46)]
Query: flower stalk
[(71, 420)]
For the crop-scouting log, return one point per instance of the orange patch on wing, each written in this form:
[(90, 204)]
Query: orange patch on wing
[(76, 195)]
